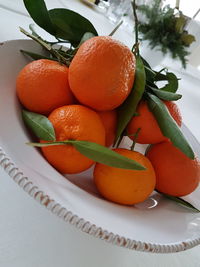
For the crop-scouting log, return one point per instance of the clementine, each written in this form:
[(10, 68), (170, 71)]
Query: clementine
[(109, 119), (176, 174), (73, 122), (42, 86), (150, 132), (101, 74), (122, 186)]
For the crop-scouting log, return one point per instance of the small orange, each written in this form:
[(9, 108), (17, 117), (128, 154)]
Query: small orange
[(73, 122), (122, 186), (176, 174), (150, 132), (101, 74), (109, 119), (42, 86)]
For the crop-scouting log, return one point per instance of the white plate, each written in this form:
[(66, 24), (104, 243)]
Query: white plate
[(157, 225)]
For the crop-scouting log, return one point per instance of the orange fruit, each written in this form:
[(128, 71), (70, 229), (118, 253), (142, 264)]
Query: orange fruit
[(73, 122), (174, 111), (101, 74), (150, 132), (122, 186), (42, 86), (109, 119), (176, 174)]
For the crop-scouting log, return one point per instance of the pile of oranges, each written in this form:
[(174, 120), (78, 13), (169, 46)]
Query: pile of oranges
[(81, 102)]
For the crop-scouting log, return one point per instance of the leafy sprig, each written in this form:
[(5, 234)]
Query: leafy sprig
[(43, 129), (180, 201), (70, 27), (145, 87), (165, 27)]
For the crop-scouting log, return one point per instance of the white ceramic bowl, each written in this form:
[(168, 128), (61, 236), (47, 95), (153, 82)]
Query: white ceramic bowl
[(157, 225)]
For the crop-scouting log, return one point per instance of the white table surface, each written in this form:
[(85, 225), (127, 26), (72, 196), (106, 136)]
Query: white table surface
[(30, 236)]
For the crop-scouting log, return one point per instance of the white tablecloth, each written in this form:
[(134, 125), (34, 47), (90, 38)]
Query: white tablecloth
[(30, 236)]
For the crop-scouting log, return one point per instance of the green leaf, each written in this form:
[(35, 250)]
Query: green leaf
[(47, 46), (150, 74), (168, 126), (35, 56), (39, 124), (98, 153), (86, 36), (31, 27), (146, 64), (106, 156), (70, 25), (164, 95), (180, 201), (39, 13), (172, 80), (128, 108)]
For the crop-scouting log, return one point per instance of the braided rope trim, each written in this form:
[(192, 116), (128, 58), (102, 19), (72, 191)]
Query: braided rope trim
[(81, 224)]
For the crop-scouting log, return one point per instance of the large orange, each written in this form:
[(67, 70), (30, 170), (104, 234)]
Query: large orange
[(102, 72), (109, 119), (150, 132), (122, 186), (74, 122), (176, 174), (42, 86)]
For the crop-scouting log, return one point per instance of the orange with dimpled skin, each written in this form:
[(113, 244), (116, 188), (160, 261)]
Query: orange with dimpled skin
[(122, 186), (150, 132), (42, 85), (101, 74), (109, 119), (176, 174), (73, 122)]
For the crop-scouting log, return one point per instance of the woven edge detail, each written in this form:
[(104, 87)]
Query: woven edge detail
[(24, 182)]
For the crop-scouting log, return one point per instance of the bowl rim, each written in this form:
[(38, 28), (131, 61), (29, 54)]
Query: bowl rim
[(80, 223), (68, 216)]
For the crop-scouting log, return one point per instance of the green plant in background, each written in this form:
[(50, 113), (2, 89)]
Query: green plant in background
[(165, 27)]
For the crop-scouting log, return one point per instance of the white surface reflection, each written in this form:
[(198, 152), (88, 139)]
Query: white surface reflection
[(150, 203)]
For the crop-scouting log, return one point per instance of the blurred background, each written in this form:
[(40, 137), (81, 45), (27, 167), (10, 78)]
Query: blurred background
[(120, 10)]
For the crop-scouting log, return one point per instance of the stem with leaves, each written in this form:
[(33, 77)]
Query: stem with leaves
[(135, 139), (97, 153), (136, 28), (47, 46)]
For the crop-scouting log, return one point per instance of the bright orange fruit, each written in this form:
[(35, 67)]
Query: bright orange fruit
[(176, 174), (73, 122), (109, 119), (101, 74), (150, 132), (42, 86), (122, 186)]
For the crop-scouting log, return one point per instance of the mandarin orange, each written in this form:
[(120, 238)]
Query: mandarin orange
[(101, 74), (176, 174), (122, 186), (109, 119), (73, 122), (150, 132), (42, 86)]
